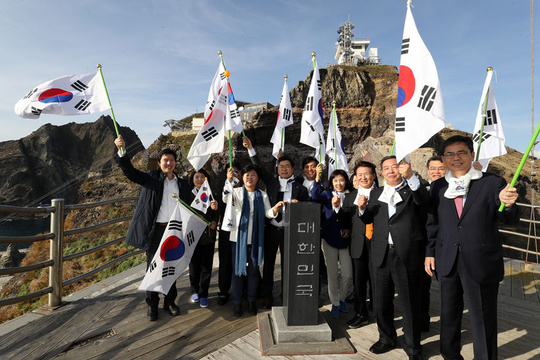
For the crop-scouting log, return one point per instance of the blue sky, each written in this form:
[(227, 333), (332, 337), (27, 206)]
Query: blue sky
[(159, 57)]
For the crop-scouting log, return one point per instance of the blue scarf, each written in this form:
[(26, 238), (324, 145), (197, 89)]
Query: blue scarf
[(257, 235)]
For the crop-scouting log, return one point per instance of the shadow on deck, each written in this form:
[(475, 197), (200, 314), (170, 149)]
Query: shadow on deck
[(108, 321)]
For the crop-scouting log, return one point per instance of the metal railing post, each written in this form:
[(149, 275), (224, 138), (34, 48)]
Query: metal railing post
[(56, 253)]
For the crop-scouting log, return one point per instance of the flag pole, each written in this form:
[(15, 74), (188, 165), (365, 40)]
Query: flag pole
[(230, 139), (110, 105), (523, 160), (313, 55), (335, 134), (283, 129), (190, 208), (483, 120)]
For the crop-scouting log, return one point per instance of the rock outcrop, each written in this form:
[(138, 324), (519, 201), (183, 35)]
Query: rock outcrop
[(54, 161)]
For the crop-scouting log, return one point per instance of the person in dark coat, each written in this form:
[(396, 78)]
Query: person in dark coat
[(200, 266), (152, 213), (360, 242), (397, 211), (465, 248), (224, 246)]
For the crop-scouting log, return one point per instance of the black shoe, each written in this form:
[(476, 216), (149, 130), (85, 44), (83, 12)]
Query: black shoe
[(222, 299), (380, 347), (252, 308), (415, 357), (357, 321), (172, 309), (152, 313), (238, 312)]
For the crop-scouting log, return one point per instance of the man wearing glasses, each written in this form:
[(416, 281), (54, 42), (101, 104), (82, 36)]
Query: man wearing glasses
[(436, 168), (465, 249)]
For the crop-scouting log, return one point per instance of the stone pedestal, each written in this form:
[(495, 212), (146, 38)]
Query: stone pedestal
[(301, 264), (283, 333)]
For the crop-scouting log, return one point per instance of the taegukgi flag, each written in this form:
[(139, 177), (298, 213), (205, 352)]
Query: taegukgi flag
[(420, 111), (493, 139), (203, 197), (78, 94), (175, 250), (334, 146), (312, 130), (233, 121), (209, 139), (284, 119)]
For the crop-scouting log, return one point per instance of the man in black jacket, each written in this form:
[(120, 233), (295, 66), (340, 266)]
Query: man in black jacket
[(361, 235), (397, 211), (153, 211)]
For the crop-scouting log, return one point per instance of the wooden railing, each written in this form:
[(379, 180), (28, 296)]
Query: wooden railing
[(56, 236)]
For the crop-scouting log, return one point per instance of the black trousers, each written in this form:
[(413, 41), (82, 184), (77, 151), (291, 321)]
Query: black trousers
[(225, 263), (482, 301), (392, 275), (273, 239), (361, 281), (152, 297), (238, 281), (200, 269)]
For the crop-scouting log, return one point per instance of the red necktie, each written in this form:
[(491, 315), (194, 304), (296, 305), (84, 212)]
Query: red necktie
[(459, 205)]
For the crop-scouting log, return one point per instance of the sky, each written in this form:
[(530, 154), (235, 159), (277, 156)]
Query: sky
[(158, 57)]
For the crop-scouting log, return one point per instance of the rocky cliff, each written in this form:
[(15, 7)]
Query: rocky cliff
[(54, 161)]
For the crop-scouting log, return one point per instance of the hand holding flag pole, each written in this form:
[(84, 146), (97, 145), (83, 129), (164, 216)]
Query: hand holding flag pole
[(109, 100), (190, 208), (227, 74), (522, 163)]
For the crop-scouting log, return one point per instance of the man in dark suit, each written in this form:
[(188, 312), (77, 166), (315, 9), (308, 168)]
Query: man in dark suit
[(465, 248), (154, 209), (397, 252), (361, 234), (279, 188)]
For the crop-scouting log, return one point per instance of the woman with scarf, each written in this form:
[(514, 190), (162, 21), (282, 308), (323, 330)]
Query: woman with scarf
[(249, 208), (335, 237), (200, 267)]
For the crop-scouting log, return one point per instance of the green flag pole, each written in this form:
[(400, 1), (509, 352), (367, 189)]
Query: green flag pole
[(190, 208), (483, 120), (523, 160), (110, 105)]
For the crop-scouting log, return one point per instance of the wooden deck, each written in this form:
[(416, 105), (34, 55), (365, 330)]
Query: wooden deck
[(110, 323)]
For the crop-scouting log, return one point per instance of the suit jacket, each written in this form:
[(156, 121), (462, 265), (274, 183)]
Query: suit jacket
[(475, 233), (358, 232), (406, 226), (299, 192), (142, 226)]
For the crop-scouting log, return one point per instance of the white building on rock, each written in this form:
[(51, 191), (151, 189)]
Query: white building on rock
[(352, 51)]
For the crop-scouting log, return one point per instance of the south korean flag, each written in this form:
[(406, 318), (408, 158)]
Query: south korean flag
[(420, 111), (79, 94), (175, 250), (203, 197)]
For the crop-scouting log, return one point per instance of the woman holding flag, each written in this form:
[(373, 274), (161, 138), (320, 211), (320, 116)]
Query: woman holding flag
[(249, 205), (200, 267), (335, 237)]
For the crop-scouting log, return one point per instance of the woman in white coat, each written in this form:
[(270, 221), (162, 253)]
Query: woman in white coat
[(247, 207)]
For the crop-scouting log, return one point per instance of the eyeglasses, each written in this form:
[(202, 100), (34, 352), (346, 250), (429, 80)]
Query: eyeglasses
[(394, 167), (461, 154), (284, 166), (441, 168)]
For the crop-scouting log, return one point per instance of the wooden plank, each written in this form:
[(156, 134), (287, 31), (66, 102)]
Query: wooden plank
[(517, 279)]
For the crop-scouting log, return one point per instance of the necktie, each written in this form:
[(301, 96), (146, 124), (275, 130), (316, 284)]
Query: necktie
[(459, 205)]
